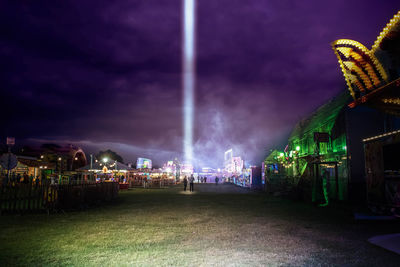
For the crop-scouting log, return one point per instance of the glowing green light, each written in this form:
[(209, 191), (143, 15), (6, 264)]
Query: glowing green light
[(281, 154), (297, 148)]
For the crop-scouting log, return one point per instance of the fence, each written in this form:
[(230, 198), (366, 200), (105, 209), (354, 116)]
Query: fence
[(22, 198)]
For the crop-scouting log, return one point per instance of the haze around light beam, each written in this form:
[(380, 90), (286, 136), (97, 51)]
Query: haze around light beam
[(188, 76)]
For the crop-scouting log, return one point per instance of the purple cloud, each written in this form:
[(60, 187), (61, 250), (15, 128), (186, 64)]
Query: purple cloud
[(101, 73)]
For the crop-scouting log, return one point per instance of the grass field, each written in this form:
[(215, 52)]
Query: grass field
[(224, 226)]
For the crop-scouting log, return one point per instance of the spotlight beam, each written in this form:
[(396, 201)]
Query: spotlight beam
[(188, 76)]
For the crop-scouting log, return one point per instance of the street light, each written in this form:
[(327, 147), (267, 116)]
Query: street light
[(105, 160), (59, 170)]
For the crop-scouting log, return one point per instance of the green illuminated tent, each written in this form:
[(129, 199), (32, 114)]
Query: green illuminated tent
[(273, 157)]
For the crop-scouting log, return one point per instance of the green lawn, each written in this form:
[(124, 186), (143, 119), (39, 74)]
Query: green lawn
[(221, 226)]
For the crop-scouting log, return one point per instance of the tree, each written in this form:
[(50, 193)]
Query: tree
[(111, 155)]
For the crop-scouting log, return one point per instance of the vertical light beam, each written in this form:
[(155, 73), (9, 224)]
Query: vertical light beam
[(188, 76)]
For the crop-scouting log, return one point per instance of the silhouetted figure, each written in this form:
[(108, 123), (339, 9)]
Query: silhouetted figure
[(205, 179), (25, 178), (216, 180), (185, 181), (5, 181), (191, 180), (13, 179), (325, 187)]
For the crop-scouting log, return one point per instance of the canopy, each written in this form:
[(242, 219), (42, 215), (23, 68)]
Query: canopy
[(98, 166)]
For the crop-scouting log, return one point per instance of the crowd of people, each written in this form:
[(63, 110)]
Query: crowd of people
[(191, 180), (16, 178), (202, 179)]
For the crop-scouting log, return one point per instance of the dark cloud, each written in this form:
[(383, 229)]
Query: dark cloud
[(106, 74)]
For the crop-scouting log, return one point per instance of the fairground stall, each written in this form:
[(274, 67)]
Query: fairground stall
[(373, 80), (383, 171), (274, 171), (155, 178), (171, 171), (243, 179), (106, 172), (256, 178)]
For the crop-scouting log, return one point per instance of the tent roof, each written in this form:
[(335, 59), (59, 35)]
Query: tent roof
[(326, 113), (272, 158), (97, 166)]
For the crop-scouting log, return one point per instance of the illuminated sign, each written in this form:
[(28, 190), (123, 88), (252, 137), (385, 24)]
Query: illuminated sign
[(228, 155), (143, 163), (10, 141), (187, 169), (321, 137), (237, 165), (207, 170), (228, 160)]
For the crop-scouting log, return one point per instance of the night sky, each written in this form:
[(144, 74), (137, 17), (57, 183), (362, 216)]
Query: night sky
[(107, 74)]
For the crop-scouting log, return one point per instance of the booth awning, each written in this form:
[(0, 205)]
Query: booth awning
[(97, 166)]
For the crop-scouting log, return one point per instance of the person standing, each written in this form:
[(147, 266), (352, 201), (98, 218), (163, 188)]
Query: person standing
[(325, 187), (25, 178), (191, 180), (216, 180), (185, 181), (5, 180)]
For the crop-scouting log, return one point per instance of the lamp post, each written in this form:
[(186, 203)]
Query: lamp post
[(297, 160), (91, 166), (105, 160), (116, 170), (59, 170)]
